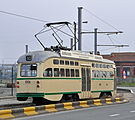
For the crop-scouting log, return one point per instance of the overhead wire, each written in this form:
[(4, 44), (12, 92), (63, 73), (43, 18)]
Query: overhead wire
[(17, 15), (101, 19)]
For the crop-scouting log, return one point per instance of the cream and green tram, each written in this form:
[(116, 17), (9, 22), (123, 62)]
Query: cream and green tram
[(64, 75)]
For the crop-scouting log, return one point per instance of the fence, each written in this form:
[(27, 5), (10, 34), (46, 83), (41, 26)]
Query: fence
[(8, 74)]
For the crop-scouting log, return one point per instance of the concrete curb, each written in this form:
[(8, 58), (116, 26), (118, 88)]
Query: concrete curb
[(125, 90), (8, 97), (28, 111)]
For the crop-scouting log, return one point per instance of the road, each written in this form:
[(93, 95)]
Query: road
[(110, 112)]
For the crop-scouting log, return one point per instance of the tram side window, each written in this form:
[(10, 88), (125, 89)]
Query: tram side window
[(77, 72), (56, 72), (76, 63), (62, 62), (29, 70), (101, 66), (97, 74), (111, 74), (48, 72), (66, 62), (108, 74), (72, 72), (67, 73), (55, 61), (105, 74), (62, 72), (93, 73), (101, 74), (71, 62), (93, 65), (97, 65)]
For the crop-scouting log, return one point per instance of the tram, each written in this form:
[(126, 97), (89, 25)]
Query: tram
[(61, 74)]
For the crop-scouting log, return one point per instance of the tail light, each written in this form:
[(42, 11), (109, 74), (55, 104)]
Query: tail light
[(17, 82), (38, 86), (37, 82), (17, 86)]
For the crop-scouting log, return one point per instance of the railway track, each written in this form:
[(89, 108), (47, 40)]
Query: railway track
[(30, 104), (17, 105)]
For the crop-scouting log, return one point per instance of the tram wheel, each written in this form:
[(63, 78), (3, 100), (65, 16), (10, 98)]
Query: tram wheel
[(105, 95)]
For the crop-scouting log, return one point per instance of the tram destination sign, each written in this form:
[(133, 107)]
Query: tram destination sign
[(28, 58)]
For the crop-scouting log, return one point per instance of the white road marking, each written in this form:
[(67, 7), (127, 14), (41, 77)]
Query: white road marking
[(132, 111), (131, 91), (114, 115)]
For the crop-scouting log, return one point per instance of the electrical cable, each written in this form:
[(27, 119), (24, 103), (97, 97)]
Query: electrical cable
[(8, 13), (100, 19)]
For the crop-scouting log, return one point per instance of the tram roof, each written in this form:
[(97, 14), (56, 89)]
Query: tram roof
[(41, 56), (37, 56)]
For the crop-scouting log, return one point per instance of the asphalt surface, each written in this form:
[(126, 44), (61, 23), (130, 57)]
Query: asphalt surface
[(110, 112)]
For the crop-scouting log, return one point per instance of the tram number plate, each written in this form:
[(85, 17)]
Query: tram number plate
[(27, 81)]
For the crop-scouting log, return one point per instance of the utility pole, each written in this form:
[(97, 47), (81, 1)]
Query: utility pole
[(79, 28), (71, 43), (95, 38), (74, 35), (95, 46)]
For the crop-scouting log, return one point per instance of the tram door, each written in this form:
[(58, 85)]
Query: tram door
[(86, 81)]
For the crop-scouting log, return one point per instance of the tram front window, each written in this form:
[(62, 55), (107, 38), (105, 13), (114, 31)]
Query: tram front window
[(28, 70)]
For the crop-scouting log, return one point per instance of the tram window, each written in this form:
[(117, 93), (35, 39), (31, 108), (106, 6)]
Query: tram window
[(101, 65), (108, 74), (48, 72), (62, 62), (97, 74), (76, 63), (111, 74), (55, 61), (29, 70), (56, 72), (62, 72), (67, 73), (93, 73), (93, 65), (108, 66), (101, 74), (77, 72), (66, 62), (72, 72), (104, 73), (71, 62), (97, 65)]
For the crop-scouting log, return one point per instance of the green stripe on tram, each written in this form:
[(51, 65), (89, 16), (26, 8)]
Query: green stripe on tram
[(46, 78), (102, 91), (101, 79), (53, 78), (42, 94)]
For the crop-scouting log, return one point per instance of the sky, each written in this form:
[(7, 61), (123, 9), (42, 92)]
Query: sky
[(16, 32)]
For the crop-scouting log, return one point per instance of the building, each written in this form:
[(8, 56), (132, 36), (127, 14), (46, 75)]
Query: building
[(124, 61)]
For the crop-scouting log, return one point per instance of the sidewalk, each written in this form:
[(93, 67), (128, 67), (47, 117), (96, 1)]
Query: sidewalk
[(6, 98), (12, 100)]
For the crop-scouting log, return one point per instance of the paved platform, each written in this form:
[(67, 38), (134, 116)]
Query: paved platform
[(12, 100)]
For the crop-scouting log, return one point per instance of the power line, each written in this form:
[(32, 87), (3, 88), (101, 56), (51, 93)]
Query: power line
[(17, 15), (101, 19)]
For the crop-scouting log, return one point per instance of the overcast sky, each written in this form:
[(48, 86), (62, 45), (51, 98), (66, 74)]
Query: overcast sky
[(16, 32)]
